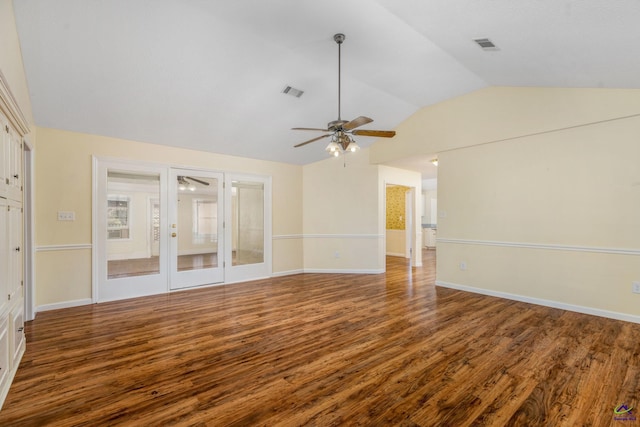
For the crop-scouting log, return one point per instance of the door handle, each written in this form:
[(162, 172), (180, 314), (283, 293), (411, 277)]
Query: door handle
[(173, 234)]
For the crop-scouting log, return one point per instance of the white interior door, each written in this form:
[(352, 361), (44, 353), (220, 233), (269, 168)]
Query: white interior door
[(125, 267), (196, 228)]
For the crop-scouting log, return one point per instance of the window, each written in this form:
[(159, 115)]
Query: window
[(205, 221), (118, 217)]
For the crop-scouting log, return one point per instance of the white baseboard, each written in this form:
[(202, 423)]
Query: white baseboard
[(287, 273), (398, 254), (547, 303), (64, 304), (332, 271)]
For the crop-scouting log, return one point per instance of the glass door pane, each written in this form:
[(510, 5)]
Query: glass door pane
[(247, 222), (196, 228), (129, 224)]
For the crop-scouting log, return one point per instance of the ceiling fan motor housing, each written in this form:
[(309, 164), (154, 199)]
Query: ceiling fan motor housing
[(336, 125)]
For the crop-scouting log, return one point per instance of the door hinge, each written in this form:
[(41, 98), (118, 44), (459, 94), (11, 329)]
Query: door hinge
[(224, 264), (6, 128)]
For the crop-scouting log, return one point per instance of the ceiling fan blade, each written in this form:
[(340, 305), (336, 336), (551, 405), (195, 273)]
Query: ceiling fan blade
[(197, 180), (312, 140), (321, 130), (357, 122), (378, 133)]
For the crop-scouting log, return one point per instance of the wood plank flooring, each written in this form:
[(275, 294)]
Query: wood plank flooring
[(325, 350)]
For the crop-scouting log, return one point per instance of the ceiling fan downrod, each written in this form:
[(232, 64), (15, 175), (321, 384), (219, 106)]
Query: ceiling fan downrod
[(339, 38)]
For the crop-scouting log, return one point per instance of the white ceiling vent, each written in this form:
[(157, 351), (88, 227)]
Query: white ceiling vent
[(288, 90), (486, 44)]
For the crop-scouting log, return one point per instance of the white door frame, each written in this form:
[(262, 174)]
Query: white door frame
[(29, 227)]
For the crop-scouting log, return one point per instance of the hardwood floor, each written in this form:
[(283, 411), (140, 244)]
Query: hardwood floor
[(325, 350)]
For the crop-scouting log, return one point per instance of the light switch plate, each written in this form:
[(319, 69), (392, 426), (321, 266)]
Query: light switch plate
[(66, 216)]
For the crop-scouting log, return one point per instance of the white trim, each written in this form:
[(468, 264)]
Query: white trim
[(343, 236), (65, 304), (10, 107), (95, 277), (197, 251), (29, 229), (592, 249), (544, 302), (70, 247), (327, 236), (288, 236), (127, 255), (287, 273), (346, 271)]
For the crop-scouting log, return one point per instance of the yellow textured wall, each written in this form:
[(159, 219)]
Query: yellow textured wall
[(538, 194), (64, 183), (396, 203)]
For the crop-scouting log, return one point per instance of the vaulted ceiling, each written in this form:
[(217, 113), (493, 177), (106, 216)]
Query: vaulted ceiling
[(209, 74)]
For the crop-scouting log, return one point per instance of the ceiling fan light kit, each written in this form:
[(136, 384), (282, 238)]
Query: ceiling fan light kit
[(341, 131), (184, 185)]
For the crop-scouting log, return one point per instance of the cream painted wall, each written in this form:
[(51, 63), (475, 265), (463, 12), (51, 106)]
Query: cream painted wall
[(548, 211), (340, 215), (344, 213), (63, 175), (497, 113), (186, 243), (396, 242)]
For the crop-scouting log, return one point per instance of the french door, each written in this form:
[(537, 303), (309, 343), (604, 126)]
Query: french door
[(196, 228), (129, 256), (158, 229)]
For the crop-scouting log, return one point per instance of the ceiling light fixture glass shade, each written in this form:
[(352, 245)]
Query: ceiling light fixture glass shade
[(353, 147), (435, 162), (333, 149)]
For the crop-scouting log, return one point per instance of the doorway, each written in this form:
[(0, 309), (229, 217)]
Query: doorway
[(401, 240)]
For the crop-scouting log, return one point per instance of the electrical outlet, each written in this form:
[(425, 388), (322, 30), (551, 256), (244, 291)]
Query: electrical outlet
[(635, 287), (336, 254), (463, 265), (66, 216)]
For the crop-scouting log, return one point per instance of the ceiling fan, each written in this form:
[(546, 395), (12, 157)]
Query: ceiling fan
[(341, 131), (183, 184)]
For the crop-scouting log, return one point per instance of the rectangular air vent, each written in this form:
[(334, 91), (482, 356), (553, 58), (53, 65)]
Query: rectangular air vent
[(486, 44), (288, 90)]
